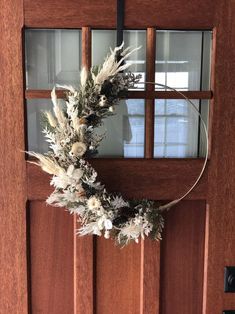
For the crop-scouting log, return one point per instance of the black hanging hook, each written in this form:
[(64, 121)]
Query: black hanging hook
[(120, 24)]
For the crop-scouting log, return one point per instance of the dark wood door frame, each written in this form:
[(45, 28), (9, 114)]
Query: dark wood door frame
[(181, 14)]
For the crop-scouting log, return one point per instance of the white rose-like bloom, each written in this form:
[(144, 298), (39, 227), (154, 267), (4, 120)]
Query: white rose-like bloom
[(78, 149), (93, 203)]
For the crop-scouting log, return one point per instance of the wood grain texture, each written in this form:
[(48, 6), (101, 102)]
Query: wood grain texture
[(117, 278), (157, 179), (13, 274), (212, 87), (150, 277), (150, 251), (31, 94), (161, 179), (149, 103), (84, 246), (83, 273), (51, 259), (181, 14), (182, 259), (221, 185), (86, 47)]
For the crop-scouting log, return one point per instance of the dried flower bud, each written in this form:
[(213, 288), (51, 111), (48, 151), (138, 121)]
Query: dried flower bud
[(78, 149), (103, 101)]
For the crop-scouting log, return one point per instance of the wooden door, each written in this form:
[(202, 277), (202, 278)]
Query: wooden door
[(45, 268)]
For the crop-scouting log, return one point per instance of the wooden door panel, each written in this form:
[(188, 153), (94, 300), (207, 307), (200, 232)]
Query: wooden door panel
[(62, 276), (117, 272), (117, 278), (51, 241), (182, 259)]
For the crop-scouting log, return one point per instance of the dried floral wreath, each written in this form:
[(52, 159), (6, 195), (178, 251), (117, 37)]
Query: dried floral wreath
[(72, 139)]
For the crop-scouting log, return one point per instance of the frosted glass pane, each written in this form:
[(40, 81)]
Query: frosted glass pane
[(183, 59), (178, 131), (124, 131), (52, 57), (102, 40), (36, 140), (176, 151)]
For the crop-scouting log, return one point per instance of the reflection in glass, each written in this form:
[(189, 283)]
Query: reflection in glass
[(183, 59), (103, 40), (177, 129), (124, 131), (52, 57)]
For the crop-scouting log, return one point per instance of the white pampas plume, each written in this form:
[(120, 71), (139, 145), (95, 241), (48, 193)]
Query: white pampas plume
[(83, 76), (111, 67), (57, 110), (68, 87), (46, 164), (76, 123), (51, 119)]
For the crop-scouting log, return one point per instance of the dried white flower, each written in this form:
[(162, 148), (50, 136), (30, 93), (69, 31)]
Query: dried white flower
[(118, 202), (134, 228), (93, 203), (90, 228), (78, 149), (107, 234), (102, 101), (69, 178)]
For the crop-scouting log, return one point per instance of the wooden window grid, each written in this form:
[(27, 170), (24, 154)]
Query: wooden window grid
[(149, 94)]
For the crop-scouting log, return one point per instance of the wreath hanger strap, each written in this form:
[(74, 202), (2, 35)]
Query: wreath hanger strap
[(120, 21)]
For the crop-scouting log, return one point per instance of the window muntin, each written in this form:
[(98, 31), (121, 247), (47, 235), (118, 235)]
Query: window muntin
[(47, 52)]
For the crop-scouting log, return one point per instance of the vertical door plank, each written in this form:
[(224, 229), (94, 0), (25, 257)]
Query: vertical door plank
[(83, 246), (13, 273), (150, 277), (182, 259), (86, 47), (51, 259), (149, 103), (117, 278), (221, 185), (150, 250)]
